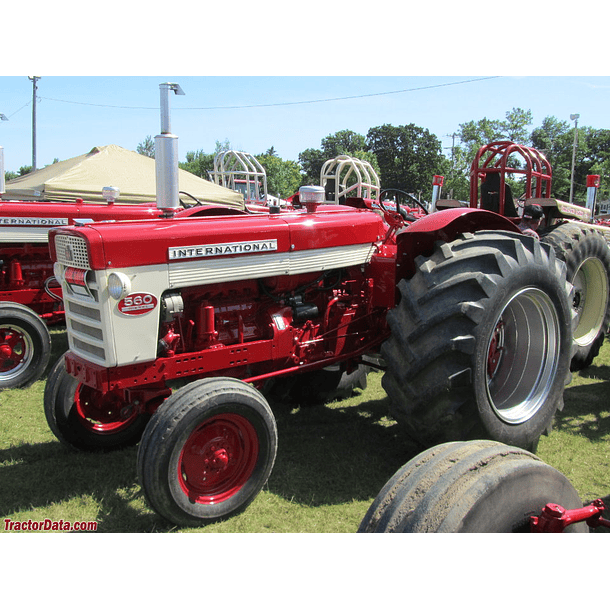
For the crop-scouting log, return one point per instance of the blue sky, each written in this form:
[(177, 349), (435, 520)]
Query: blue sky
[(76, 113)]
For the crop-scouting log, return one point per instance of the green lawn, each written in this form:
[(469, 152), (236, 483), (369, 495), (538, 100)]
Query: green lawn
[(332, 461)]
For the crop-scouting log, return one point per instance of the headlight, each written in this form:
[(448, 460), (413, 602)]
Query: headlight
[(118, 285), (58, 272)]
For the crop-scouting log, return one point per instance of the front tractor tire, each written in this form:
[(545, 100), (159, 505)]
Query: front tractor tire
[(207, 452), (25, 346), (87, 420), (587, 257), (480, 342), (476, 487)]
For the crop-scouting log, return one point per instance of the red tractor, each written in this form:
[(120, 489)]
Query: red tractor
[(175, 340), (576, 236), (30, 298)]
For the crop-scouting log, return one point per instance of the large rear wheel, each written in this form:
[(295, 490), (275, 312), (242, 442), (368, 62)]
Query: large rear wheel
[(476, 486), (25, 346), (587, 257), (207, 452), (480, 343)]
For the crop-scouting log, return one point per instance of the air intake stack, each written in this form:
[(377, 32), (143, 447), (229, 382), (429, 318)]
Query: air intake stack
[(166, 155)]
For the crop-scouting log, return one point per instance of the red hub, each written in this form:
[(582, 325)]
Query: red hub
[(218, 458), (496, 348), (12, 350), (103, 413)]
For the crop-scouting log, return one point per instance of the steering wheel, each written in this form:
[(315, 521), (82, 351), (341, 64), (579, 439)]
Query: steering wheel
[(407, 195), (192, 205)]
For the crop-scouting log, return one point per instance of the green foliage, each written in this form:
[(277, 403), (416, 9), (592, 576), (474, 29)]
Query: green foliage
[(198, 163), (147, 147), (408, 156), (311, 161), (283, 177)]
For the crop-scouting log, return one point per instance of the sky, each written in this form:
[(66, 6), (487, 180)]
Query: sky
[(289, 113)]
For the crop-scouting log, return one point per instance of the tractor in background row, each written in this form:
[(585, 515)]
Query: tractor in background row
[(30, 297), (575, 234)]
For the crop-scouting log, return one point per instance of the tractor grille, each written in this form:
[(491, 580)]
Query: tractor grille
[(84, 323), (72, 251)]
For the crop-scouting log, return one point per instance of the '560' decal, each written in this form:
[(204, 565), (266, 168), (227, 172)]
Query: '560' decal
[(137, 303)]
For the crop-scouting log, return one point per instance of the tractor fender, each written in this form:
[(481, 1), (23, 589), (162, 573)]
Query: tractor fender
[(419, 237)]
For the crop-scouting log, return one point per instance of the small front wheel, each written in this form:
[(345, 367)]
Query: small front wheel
[(86, 419), (207, 452)]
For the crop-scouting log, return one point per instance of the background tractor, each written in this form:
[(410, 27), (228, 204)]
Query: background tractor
[(576, 236)]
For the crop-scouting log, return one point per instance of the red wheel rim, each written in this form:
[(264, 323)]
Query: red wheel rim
[(102, 413), (496, 348), (218, 458), (14, 349)]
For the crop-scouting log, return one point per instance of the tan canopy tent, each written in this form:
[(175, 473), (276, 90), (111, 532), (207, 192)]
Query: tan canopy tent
[(134, 174)]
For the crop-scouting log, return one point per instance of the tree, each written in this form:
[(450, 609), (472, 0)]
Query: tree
[(555, 139), (311, 161), (200, 163), (283, 177), (343, 142), (147, 147), (408, 156)]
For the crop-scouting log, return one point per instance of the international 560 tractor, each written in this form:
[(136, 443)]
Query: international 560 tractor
[(176, 327)]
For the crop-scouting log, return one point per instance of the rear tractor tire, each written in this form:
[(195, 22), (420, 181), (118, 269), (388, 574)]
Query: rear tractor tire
[(587, 257), (475, 486), (207, 452), (480, 341), (25, 346)]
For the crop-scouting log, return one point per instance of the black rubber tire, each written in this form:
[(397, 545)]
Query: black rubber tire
[(35, 344), (73, 430), (470, 292), (317, 387), (475, 486), (220, 414), (587, 257)]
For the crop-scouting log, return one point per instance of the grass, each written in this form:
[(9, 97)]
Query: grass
[(332, 461)]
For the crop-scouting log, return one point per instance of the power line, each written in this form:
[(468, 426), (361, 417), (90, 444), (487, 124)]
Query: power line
[(318, 101)]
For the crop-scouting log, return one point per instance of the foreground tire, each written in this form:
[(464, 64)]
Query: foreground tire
[(476, 486), (587, 258), (25, 346), (207, 452), (480, 343), (87, 420)]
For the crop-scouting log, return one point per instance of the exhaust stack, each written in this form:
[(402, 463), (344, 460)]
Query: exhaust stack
[(2, 183), (437, 183), (593, 183), (166, 155)]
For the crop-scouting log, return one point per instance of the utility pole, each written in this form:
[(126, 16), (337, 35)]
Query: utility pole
[(452, 136), (34, 79), (574, 117)]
